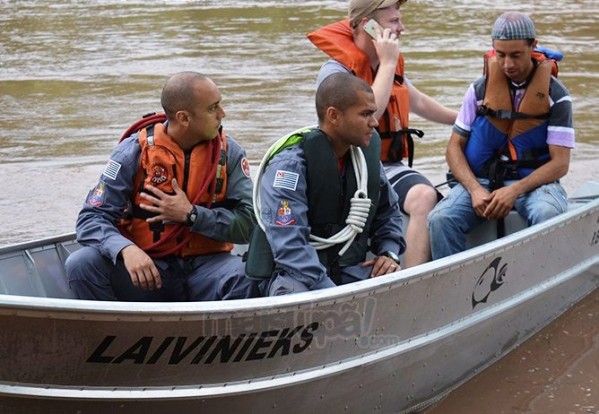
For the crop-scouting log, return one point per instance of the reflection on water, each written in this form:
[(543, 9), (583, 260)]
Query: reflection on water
[(74, 75)]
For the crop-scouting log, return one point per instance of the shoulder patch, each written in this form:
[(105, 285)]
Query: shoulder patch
[(245, 167), (112, 169), (286, 179), (96, 195), (284, 214)]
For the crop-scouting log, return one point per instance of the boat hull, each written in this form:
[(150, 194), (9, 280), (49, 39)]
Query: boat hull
[(391, 344)]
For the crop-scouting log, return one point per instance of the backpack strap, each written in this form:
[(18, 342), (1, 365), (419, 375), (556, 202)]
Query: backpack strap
[(145, 121)]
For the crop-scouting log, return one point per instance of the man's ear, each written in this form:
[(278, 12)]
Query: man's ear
[(362, 23), (182, 117), (333, 115)]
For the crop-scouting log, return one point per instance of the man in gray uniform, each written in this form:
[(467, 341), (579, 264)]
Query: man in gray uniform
[(161, 222), (313, 187)]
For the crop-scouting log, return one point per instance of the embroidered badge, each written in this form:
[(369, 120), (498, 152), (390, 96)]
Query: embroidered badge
[(245, 167), (159, 174), (96, 196), (286, 179), (284, 216), (112, 169)]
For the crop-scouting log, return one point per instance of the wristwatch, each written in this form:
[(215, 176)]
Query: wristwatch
[(191, 217), (391, 256)]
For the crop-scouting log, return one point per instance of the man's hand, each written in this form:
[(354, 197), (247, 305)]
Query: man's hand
[(500, 203), (141, 268), (382, 265), (480, 200), (173, 208), (387, 46)]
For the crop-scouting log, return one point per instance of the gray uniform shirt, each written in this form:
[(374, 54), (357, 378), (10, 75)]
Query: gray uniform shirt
[(284, 208)]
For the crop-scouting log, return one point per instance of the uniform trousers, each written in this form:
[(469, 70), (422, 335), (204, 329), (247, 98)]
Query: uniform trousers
[(218, 276)]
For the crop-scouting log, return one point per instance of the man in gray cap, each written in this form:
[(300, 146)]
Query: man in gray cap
[(367, 45), (511, 142)]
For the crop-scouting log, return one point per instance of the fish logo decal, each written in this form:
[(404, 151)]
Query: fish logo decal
[(489, 281)]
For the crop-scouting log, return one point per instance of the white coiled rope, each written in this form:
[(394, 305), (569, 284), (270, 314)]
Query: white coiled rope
[(359, 203)]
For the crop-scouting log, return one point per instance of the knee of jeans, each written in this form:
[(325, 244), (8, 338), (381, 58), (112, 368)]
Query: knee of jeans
[(435, 217), (555, 195), (542, 213)]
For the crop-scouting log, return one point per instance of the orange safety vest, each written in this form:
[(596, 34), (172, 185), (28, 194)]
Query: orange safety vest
[(202, 174), (337, 41), (519, 134), (535, 102)]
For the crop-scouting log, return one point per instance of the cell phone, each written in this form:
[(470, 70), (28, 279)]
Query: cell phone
[(369, 27)]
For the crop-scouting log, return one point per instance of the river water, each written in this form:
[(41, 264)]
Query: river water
[(75, 74)]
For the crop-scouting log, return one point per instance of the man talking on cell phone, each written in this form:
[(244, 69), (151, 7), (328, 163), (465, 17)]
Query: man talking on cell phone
[(367, 44)]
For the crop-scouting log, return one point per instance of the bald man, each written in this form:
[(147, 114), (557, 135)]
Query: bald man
[(161, 222)]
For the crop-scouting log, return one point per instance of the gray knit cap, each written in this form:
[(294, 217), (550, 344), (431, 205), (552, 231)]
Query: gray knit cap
[(513, 26)]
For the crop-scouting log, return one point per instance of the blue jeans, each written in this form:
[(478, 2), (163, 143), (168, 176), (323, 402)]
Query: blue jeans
[(454, 217)]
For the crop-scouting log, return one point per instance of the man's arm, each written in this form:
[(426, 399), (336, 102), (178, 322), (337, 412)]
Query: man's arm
[(387, 50), (423, 105), (455, 155), (556, 168), (105, 206), (387, 226), (107, 202), (503, 199), (456, 159), (387, 230), (284, 212)]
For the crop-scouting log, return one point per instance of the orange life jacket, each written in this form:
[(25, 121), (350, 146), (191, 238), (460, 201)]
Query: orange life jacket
[(202, 174), (534, 105), (336, 40)]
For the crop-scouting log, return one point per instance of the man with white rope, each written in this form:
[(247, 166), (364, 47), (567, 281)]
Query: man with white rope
[(323, 200)]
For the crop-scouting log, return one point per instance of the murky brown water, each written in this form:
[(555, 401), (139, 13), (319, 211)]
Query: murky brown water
[(555, 372), (74, 75)]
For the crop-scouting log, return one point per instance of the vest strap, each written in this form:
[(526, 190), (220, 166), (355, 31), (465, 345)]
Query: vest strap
[(396, 148), (484, 110), (499, 169)]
